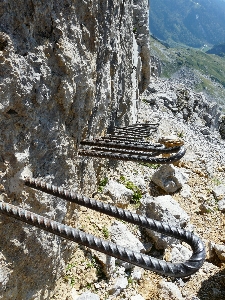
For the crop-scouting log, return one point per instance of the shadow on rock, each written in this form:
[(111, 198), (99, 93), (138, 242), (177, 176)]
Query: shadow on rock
[(213, 288)]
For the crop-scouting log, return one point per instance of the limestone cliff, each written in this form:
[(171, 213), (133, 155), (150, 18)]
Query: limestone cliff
[(68, 70)]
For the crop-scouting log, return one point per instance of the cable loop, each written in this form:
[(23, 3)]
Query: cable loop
[(184, 269)]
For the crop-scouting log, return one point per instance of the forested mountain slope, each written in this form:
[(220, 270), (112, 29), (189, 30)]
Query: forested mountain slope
[(189, 22)]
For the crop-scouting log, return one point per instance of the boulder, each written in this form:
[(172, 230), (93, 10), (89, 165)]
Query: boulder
[(164, 209), (120, 195), (169, 290), (169, 178), (121, 236), (171, 141), (222, 126), (220, 251), (219, 191), (221, 205), (119, 285), (88, 296), (137, 297)]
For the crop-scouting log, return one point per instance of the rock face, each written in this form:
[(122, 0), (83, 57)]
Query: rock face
[(222, 127), (69, 70)]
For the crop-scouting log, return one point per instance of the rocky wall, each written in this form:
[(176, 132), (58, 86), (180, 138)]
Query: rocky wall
[(68, 70)]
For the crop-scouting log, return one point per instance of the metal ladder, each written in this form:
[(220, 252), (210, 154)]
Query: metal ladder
[(126, 143), (184, 269), (129, 144)]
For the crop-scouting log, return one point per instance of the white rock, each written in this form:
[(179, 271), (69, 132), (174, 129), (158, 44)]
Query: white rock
[(120, 284), (169, 178), (219, 191), (136, 273), (139, 182), (169, 291), (120, 195), (137, 297), (4, 274), (179, 254), (74, 294), (164, 209), (88, 296), (107, 261), (121, 236), (220, 251), (221, 205), (186, 191)]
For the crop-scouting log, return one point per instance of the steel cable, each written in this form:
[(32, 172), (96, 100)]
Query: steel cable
[(124, 141), (170, 269), (131, 146), (135, 157)]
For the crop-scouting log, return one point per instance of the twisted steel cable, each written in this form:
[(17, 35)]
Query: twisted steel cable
[(132, 133), (137, 128), (131, 146), (142, 125), (123, 151), (121, 138), (120, 151), (135, 157), (170, 269), (124, 141)]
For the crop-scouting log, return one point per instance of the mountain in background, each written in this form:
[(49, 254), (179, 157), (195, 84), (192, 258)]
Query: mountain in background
[(192, 67), (218, 50), (193, 23)]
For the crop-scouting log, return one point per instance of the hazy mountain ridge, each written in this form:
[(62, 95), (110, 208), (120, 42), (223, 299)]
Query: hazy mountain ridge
[(218, 50), (200, 71), (189, 22)]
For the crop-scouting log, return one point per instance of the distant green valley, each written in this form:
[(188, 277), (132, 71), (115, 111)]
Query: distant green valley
[(203, 72)]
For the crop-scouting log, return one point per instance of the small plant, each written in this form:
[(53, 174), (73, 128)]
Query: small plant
[(70, 279), (89, 265), (130, 280), (102, 184), (105, 232), (151, 166), (122, 179), (216, 181), (180, 134), (134, 30), (131, 186), (70, 266), (69, 275), (88, 286)]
